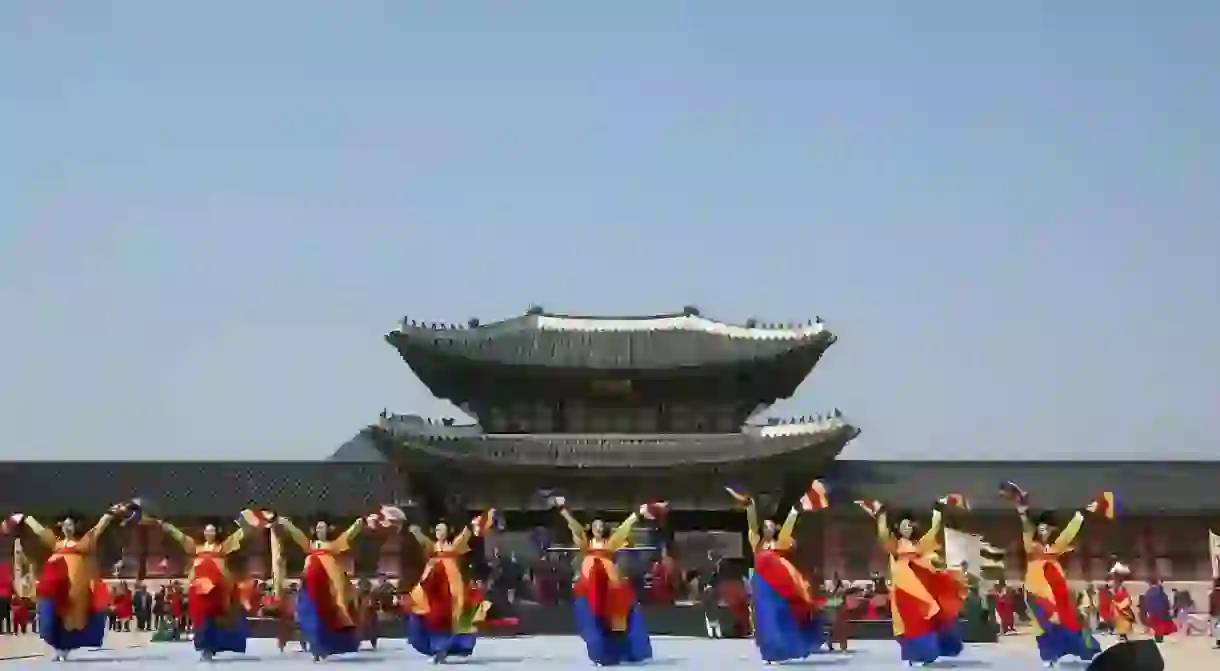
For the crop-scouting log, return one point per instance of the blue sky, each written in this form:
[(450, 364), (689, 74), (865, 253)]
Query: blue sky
[(1007, 211)]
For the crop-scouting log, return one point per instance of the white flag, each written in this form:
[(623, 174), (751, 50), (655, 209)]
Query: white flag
[(1213, 546), (962, 548), (977, 554)]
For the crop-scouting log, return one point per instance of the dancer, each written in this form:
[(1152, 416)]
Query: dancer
[(445, 609), (607, 614), (787, 614), (68, 617), (924, 601), (323, 604), (214, 604), (1056, 622), (1122, 609)]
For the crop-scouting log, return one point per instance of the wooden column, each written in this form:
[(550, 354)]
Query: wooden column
[(142, 539)]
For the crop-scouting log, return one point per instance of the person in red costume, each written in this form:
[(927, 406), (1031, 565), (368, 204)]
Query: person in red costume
[(1158, 611), (122, 608), (663, 579), (1005, 609), (1105, 609)]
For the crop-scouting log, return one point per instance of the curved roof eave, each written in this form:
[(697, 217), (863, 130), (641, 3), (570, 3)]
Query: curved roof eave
[(666, 322)]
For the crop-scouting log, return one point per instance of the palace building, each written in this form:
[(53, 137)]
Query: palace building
[(615, 411)]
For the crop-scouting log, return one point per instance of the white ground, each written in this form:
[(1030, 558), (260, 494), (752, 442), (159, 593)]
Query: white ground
[(676, 654)]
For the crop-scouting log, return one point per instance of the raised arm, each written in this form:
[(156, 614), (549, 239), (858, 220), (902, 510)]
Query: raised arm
[(622, 534), (1027, 528), (421, 538), (343, 542), (461, 543), (887, 540), (579, 538), (753, 533), (232, 543), (91, 536), (1068, 535), (784, 539), (44, 534), (293, 533), (930, 540), (187, 543)]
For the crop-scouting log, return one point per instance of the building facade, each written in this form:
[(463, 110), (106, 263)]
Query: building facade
[(612, 412)]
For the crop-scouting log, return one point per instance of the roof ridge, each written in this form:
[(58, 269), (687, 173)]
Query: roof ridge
[(689, 319)]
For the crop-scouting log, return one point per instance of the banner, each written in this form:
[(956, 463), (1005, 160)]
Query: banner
[(962, 548), (1213, 547), (972, 551)]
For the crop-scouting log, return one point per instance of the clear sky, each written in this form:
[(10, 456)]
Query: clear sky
[(211, 213)]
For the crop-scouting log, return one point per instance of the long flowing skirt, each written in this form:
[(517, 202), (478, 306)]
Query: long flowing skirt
[(215, 634), (216, 616), (777, 632), (924, 639), (1059, 632), (611, 648), (434, 633), (51, 630), (433, 642), (322, 640)]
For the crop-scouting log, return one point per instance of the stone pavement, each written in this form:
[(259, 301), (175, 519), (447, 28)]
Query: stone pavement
[(30, 646), (1012, 654)]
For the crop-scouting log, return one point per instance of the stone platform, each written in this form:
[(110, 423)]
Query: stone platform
[(566, 653)]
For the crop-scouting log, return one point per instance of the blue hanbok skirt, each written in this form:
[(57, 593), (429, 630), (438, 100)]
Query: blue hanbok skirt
[(323, 642), (51, 630), (611, 648), (777, 634)]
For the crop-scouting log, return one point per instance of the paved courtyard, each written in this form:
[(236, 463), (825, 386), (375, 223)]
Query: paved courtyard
[(543, 653)]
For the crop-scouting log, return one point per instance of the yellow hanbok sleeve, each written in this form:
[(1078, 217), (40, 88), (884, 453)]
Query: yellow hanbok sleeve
[(1027, 531), (44, 534), (1068, 534), (343, 542), (784, 539), (187, 543), (461, 544), (622, 534), (89, 540), (754, 534), (295, 534), (233, 542), (887, 540), (579, 538), (930, 540)]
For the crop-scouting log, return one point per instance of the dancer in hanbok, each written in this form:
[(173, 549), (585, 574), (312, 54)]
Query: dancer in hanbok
[(323, 604), (788, 621), (1057, 625), (68, 614), (924, 601), (214, 599), (445, 608), (1122, 608), (607, 613)]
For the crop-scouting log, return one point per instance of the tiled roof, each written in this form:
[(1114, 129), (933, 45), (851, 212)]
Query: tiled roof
[(667, 341), (623, 450), (199, 488), (1182, 486)]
